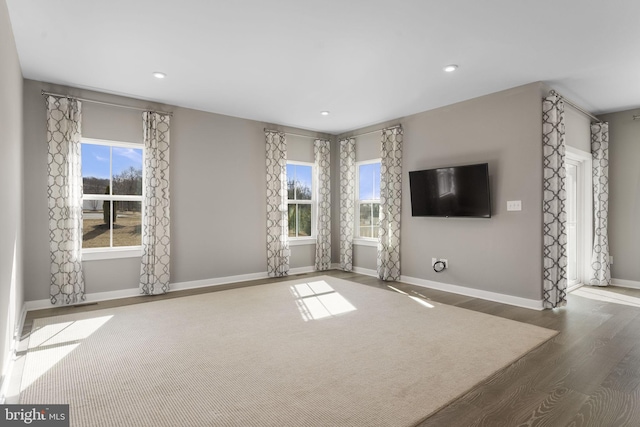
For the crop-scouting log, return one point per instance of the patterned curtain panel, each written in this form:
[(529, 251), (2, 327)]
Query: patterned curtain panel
[(65, 200), (322, 158), (277, 221), (600, 255), (154, 271), (347, 203), (554, 213), (390, 203)]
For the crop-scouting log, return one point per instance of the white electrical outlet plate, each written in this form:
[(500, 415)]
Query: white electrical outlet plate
[(611, 259), (514, 205)]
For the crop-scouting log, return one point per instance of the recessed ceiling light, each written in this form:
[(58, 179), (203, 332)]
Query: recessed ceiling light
[(451, 68), (159, 75), (324, 113)]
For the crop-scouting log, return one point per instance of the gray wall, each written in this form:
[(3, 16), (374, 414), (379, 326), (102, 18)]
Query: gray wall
[(577, 129), (624, 194), (502, 254), (217, 192), (11, 192)]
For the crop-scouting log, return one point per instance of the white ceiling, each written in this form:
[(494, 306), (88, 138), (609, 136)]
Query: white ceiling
[(366, 61)]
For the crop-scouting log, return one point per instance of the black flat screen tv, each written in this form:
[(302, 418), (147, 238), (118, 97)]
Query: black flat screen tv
[(457, 191)]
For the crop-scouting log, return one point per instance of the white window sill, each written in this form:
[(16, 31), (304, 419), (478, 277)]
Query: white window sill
[(299, 241), (360, 241), (98, 254)]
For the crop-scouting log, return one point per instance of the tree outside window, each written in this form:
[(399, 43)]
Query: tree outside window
[(368, 199), (300, 199), (112, 194)]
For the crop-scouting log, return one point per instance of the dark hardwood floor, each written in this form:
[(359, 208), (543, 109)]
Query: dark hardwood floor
[(587, 375)]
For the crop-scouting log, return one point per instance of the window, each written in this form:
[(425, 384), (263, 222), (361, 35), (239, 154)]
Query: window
[(301, 201), (112, 195), (368, 199)]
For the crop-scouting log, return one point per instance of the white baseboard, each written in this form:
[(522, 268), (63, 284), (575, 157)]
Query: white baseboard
[(178, 286), (476, 293), (625, 283), (365, 271), (462, 290), (358, 270), (301, 270), (42, 304), (232, 279)]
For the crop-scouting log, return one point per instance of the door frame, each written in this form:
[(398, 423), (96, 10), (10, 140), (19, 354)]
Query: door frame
[(583, 160)]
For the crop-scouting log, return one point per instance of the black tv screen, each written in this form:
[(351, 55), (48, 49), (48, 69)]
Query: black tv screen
[(461, 191)]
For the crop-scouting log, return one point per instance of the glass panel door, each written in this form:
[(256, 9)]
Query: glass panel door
[(573, 235)]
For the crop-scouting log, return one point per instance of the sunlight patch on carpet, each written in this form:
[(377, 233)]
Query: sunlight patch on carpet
[(318, 300), (50, 343)]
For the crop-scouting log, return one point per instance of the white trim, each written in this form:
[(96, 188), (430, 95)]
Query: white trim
[(6, 376), (370, 161), (298, 241), (573, 287), (357, 202), (300, 162), (90, 254), (363, 241), (313, 202), (579, 224), (194, 284), (113, 142), (577, 153), (461, 290), (476, 293), (42, 304), (633, 284), (301, 270), (110, 198), (365, 271), (114, 197), (586, 210), (134, 292)]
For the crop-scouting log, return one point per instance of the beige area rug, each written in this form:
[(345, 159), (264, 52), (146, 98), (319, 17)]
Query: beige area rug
[(314, 352)]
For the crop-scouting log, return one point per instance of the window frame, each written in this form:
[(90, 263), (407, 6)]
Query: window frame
[(357, 239), (584, 210), (111, 252), (305, 240)]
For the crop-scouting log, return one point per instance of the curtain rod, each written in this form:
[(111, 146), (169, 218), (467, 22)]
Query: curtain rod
[(369, 133), (106, 103), (577, 107), (315, 137), (295, 134)]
